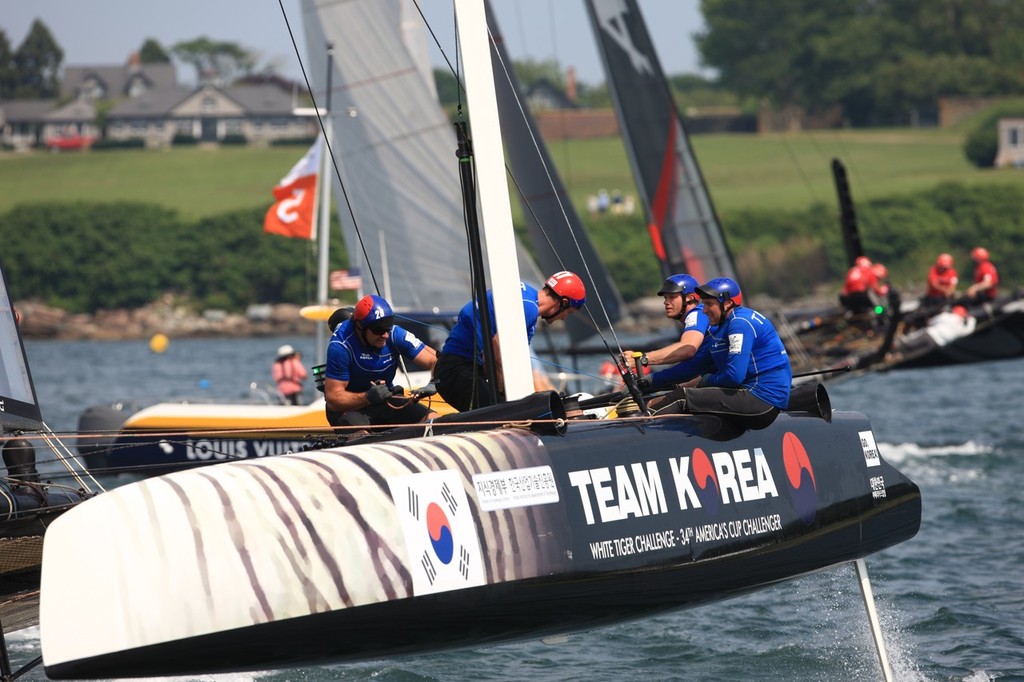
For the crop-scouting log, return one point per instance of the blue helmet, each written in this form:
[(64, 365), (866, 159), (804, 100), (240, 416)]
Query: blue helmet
[(679, 284), (372, 309), (721, 289)]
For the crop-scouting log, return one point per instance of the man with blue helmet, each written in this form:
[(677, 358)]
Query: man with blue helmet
[(681, 303), (362, 359), (461, 379), (741, 370)]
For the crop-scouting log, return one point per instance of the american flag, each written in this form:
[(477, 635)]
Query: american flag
[(346, 280)]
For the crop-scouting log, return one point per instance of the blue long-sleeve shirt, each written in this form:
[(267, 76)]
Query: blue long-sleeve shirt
[(744, 351), (467, 335)]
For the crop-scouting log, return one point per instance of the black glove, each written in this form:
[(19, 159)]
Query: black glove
[(426, 390), (378, 394)]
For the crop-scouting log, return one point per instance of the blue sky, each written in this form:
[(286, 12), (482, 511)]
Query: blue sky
[(107, 31)]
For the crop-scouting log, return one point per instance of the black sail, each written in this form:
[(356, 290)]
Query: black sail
[(684, 228)]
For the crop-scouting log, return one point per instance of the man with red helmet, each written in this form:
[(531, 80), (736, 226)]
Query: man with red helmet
[(362, 359), (461, 378), (942, 280), (857, 294), (986, 278)]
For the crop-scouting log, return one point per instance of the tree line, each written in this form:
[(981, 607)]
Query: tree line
[(32, 71), (83, 257), (868, 62), (851, 62)]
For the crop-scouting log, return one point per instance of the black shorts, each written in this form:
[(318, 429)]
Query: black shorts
[(738, 404), (461, 382), (395, 412)]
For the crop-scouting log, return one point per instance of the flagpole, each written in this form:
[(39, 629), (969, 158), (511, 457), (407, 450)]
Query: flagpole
[(324, 220)]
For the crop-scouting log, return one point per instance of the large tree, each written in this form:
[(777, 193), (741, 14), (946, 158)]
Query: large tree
[(876, 60), (8, 76), (152, 52), (37, 62), (215, 61)]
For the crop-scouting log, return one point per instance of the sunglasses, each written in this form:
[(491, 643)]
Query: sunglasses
[(381, 329)]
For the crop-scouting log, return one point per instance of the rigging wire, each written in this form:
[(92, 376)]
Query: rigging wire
[(558, 199), (330, 150), (799, 169), (561, 113), (456, 70), (504, 69)]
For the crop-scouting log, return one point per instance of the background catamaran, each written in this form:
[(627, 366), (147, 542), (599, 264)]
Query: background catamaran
[(878, 340), (687, 235), (30, 498), (515, 531)]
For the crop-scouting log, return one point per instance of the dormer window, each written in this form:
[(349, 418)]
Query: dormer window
[(92, 90), (137, 86)]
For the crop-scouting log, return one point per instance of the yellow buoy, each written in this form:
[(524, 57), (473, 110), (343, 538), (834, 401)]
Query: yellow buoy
[(158, 343)]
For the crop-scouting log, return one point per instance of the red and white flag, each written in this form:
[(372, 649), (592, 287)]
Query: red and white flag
[(293, 214)]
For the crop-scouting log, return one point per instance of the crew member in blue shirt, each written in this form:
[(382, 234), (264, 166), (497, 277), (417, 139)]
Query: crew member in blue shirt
[(362, 359), (682, 302), (741, 370), (460, 375)]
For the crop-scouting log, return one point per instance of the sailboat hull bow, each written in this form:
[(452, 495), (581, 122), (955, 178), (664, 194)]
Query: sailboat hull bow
[(353, 553)]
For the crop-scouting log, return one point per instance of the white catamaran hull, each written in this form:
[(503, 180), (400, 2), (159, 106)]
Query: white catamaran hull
[(352, 553)]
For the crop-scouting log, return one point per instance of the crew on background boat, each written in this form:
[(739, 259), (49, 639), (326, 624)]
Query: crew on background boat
[(682, 302), (860, 290), (288, 373), (881, 286), (986, 278), (942, 280), (362, 360), (742, 370), (943, 328), (460, 375)]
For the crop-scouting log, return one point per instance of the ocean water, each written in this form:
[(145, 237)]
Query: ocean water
[(951, 600)]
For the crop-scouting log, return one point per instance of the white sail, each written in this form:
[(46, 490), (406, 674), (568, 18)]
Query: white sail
[(395, 152)]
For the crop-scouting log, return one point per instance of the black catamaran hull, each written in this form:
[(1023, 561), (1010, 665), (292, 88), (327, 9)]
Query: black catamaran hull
[(461, 540), (1000, 337)]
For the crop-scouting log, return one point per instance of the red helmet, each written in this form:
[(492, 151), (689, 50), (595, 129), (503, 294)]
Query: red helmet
[(373, 310), (881, 272), (862, 262), (944, 260), (960, 310), (569, 286), (980, 254)]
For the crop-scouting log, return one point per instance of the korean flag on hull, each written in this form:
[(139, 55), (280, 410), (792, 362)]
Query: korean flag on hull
[(440, 535)]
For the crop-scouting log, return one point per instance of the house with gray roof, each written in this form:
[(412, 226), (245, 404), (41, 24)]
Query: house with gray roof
[(144, 101), (95, 83), (260, 113)]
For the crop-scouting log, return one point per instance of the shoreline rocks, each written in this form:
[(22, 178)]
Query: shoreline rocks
[(39, 321)]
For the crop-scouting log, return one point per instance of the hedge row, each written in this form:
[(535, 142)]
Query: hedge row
[(87, 256)]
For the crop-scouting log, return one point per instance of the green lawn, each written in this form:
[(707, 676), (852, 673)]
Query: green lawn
[(788, 171)]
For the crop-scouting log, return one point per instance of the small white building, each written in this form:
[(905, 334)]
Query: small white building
[(1011, 143)]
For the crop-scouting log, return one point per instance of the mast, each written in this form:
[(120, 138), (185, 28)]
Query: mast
[(847, 214), (324, 218), (496, 211)]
